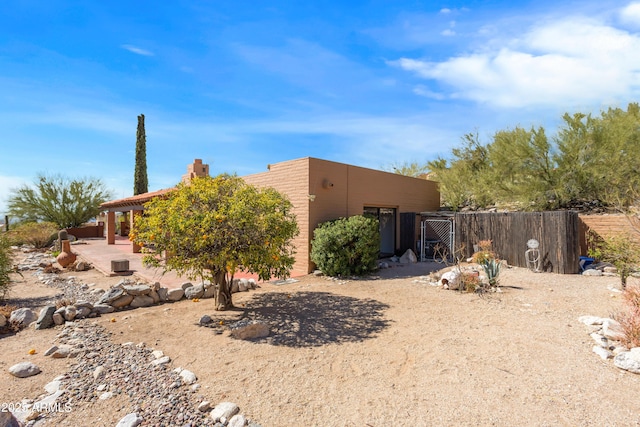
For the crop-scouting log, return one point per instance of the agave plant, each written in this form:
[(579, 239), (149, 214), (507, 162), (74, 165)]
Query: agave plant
[(492, 270)]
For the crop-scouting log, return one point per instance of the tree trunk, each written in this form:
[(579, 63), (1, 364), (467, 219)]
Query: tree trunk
[(223, 291)]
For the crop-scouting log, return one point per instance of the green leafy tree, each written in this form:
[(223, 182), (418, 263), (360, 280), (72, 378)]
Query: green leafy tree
[(413, 169), (213, 227), (63, 201), (346, 246), (463, 178), (522, 169), (140, 181), (6, 266)]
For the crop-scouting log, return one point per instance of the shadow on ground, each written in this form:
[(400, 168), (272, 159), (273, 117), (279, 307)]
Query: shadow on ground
[(311, 319)]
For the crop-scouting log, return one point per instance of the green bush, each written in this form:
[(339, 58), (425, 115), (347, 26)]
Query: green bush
[(5, 265), (39, 234), (347, 246)]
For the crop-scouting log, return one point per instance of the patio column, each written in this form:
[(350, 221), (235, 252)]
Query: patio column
[(132, 220), (111, 228)]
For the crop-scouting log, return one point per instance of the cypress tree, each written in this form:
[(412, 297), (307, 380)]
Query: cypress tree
[(140, 182)]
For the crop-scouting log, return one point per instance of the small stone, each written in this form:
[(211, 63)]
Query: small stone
[(205, 320), (62, 352), (602, 352), (70, 313), (57, 319), (141, 301), (157, 354), (186, 285), (103, 308), (106, 395), (188, 377), (130, 420), (590, 320), (249, 329), (24, 370), (163, 294), (136, 290), (224, 410), (123, 301), (204, 406), (51, 350), (237, 420), (592, 272), (98, 372), (161, 361)]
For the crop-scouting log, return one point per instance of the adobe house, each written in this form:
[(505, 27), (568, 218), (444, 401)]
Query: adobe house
[(322, 190)]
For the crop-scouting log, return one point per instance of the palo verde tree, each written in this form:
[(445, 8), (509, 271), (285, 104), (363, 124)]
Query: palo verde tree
[(213, 227), (66, 202), (140, 181)]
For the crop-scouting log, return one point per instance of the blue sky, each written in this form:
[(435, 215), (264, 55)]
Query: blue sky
[(245, 84)]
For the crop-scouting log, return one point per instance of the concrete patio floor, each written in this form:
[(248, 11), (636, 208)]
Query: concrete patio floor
[(97, 252)]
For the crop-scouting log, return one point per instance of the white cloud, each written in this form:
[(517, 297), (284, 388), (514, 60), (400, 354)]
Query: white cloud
[(445, 11), (574, 61), (137, 50), (631, 14)]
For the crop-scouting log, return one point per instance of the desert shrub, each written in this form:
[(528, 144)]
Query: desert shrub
[(469, 281), (629, 317), (6, 265), (347, 246), (620, 250), (485, 252), (39, 234)]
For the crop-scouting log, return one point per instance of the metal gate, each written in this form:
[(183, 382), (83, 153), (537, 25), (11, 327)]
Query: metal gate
[(437, 237)]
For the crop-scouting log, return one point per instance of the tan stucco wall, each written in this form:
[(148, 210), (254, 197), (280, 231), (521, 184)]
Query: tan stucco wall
[(292, 179), (341, 190)]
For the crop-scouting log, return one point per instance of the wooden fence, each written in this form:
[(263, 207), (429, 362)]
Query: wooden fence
[(557, 233)]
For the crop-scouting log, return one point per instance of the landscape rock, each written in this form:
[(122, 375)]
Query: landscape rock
[(138, 289), (629, 360), (602, 352), (62, 352), (51, 350), (188, 377), (122, 301), (141, 301), (224, 410), (237, 420), (451, 279), (409, 257), (103, 308), (130, 420), (592, 272), (612, 330), (23, 317), (205, 320), (161, 361), (154, 296), (163, 294), (175, 294), (69, 313), (45, 320), (249, 329), (111, 295), (194, 292), (24, 370), (186, 285), (590, 320)]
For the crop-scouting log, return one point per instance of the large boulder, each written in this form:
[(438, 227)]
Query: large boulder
[(175, 294), (45, 320), (122, 301), (23, 317), (192, 292), (111, 295), (139, 289), (141, 301)]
